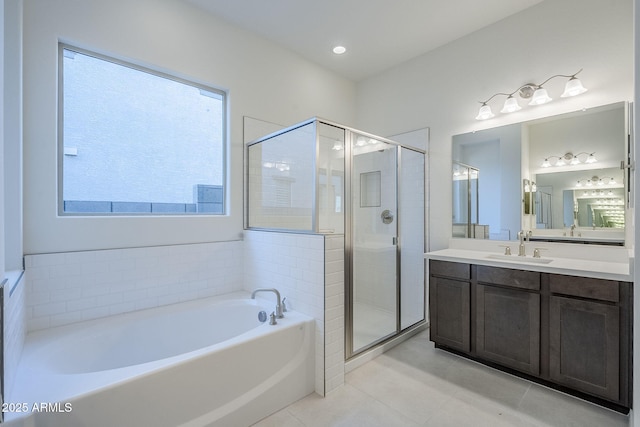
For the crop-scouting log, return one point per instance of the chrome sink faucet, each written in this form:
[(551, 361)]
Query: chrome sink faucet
[(279, 310), (521, 247)]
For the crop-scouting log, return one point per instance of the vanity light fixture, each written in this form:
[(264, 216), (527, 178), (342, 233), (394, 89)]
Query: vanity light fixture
[(572, 159), (535, 92)]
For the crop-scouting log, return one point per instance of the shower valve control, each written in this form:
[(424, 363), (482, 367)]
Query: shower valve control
[(387, 216)]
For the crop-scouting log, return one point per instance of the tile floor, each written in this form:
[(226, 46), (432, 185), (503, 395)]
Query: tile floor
[(415, 384)]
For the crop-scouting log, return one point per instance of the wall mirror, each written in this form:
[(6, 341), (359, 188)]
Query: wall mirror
[(559, 177)]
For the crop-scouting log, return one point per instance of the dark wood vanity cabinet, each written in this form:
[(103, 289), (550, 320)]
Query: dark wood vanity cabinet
[(450, 305), (571, 332), (507, 315), (590, 335)]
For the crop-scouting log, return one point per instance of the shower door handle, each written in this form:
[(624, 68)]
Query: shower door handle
[(394, 241)]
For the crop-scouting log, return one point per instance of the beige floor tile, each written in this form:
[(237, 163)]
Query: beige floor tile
[(415, 398), (347, 407), (280, 419), (416, 384), (552, 408), (472, 409)]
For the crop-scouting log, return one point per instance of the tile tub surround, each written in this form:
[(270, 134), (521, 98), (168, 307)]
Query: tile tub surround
[(14, 328), (64, 288), (308, 270)]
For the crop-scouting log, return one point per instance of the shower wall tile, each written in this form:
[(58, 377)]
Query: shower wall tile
[(64, 288), (334, 312)]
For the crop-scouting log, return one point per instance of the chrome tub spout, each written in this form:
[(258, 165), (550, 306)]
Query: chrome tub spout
[(279, 314)]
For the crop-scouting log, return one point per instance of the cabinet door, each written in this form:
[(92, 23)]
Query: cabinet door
[(508, 327), (584, 346), (449, 313)]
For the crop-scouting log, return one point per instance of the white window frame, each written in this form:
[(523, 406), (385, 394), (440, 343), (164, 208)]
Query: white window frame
[(61, 147)]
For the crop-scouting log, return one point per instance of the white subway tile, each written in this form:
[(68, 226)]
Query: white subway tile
[(81, 304), (95, 313), (37, 323), (49, 309), (60, 295), (65, 318)]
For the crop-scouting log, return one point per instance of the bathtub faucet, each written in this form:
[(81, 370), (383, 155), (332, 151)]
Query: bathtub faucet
[(279, 314)]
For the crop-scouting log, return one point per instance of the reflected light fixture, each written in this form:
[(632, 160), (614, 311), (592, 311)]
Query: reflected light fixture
[(535, 92), (573, 159), (599, 181)]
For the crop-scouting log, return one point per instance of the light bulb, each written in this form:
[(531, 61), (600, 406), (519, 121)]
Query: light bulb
[(484, 113), (510, 105), (339, 50), (546, 163), (591, 158), (573, 87), (540, 96)]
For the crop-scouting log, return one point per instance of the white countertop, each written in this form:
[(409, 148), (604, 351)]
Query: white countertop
[(587, 263)]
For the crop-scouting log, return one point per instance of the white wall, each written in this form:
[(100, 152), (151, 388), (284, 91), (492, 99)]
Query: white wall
[(11, 186), (635, 418), (263, 81), (2, 144), (11, 130), (441, 89)]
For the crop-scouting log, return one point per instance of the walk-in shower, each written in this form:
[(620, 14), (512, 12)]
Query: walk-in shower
[(325, 178)]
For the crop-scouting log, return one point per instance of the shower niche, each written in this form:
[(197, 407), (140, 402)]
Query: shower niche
[(320, 177)]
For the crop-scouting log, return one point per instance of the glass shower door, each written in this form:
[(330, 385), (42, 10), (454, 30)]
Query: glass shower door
[(374, 291)]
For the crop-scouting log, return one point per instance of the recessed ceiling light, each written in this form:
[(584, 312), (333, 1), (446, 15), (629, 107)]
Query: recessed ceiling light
[(339, 50)]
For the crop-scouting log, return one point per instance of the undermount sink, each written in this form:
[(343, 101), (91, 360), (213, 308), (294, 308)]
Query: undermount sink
[(516, 258)]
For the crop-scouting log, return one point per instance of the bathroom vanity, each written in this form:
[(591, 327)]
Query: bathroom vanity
[(556, 321)]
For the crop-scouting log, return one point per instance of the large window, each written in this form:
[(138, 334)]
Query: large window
[(135, 141)]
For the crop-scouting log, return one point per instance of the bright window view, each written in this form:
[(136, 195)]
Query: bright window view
[(138, 142)]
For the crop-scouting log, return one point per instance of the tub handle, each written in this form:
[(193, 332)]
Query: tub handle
[(272, 318), (284, 306)]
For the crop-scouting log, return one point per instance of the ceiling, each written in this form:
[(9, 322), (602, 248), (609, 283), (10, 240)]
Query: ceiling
[(378, 34)]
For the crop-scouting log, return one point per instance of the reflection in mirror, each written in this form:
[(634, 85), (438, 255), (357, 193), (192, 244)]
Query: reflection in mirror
[(582, 200), (529, 189), (564, 171), (465, 202), (497, 154)]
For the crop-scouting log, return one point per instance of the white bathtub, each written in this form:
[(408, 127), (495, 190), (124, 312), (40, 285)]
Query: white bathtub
[(202, 363)]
